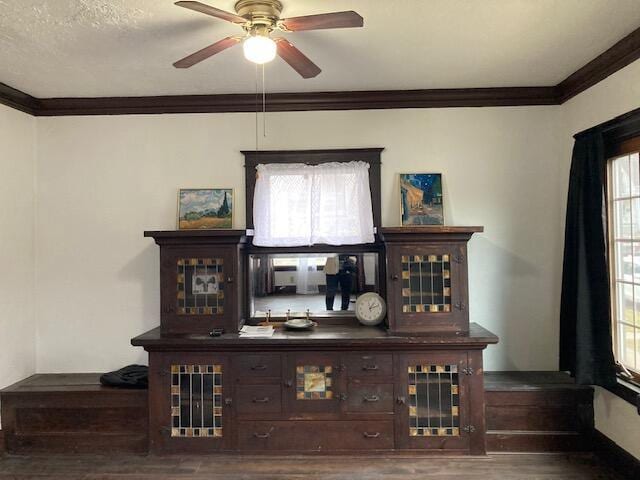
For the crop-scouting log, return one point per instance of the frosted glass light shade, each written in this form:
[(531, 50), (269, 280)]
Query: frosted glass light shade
[(259, 49)]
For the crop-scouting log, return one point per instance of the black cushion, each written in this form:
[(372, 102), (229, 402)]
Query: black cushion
[(131, 376)]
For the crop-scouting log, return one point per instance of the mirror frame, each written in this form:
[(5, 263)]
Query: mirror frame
[(376, 248)]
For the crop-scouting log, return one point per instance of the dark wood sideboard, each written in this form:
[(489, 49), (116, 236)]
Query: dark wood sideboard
[(334, 389), (414, 384)]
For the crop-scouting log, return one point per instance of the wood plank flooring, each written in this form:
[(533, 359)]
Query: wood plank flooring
[(121, 467)]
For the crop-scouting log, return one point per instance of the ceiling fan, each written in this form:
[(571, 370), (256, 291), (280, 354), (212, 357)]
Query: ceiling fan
[(259, 18)]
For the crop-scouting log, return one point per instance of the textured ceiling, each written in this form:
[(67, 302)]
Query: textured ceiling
[(53, 48)]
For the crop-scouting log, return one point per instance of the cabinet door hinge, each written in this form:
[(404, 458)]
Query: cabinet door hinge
[(458, 258), (467, 371), (460, 305), (469, 429)]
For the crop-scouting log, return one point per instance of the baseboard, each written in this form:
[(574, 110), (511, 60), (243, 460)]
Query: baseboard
[(616, 456)]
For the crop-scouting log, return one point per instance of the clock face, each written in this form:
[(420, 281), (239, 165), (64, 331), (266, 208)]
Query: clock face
[(370, 308)]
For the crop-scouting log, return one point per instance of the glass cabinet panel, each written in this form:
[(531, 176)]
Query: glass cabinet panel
[(433, 392), (196, 400), (426, 283), (200, 286)]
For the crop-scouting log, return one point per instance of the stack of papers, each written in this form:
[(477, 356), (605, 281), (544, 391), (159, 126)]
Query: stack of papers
[(256, 332)]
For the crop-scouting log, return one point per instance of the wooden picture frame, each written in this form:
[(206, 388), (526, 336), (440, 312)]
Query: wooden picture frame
[(205, 208), (421, 199)]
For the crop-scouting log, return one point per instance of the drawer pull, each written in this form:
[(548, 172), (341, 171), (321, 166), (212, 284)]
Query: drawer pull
[(372, 398), (263, 435), (371, 435), (370, 368), (261, 400), (258, 367)]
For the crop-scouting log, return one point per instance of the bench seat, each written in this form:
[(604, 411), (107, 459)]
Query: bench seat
[(73, 412)]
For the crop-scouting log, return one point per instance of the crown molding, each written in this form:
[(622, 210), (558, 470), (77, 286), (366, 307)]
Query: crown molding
[(615, 58), (14, 98), (295, 102), (623, 53)]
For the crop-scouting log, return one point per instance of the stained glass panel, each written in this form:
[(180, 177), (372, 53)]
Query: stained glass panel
[(314, 382), (426, 283), (200, 286), (196, 400), (434, 400)]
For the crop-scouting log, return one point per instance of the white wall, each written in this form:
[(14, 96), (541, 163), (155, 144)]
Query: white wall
[(103, 180), (614, 96), (17, 282)]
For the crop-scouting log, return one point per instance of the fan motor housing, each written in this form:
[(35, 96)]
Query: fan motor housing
[(266, 12)]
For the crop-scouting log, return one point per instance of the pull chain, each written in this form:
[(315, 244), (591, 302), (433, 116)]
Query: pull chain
[(264, 105), (256, 107)]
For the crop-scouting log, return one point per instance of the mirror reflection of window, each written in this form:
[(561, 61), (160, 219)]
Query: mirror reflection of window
[(326, 284)]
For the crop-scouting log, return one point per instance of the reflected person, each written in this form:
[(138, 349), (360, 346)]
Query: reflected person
[(338, 271)]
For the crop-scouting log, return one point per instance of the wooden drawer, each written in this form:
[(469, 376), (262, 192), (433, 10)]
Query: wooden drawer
[(369, 365), (257, 399), (315, 436), (258, 366), (369, 397)]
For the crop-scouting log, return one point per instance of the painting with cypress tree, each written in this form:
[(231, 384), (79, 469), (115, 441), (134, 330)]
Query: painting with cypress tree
[(205, 208), (421, 197)]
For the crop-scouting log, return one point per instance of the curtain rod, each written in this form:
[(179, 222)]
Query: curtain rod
[(614, 123)]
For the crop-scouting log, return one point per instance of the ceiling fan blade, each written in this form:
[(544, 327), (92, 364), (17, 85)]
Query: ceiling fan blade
[(347, 19), (214, 12), (296, 59), (207, 52)]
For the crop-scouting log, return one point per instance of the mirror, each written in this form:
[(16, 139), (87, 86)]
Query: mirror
[(325, 284)]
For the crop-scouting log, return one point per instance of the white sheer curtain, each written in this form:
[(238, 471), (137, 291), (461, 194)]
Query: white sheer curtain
[(306, 283), (298, 204)]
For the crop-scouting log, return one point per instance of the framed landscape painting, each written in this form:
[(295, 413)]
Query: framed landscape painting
[(421, 199), (205, 208)]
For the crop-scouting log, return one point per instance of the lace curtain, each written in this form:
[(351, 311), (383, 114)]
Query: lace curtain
[(298, 204)]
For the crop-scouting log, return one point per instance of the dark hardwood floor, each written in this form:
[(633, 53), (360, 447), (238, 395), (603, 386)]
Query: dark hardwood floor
[(503, 467)]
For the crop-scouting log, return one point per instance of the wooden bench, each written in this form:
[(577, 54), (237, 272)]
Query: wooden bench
[(537, 412), (68, 413)]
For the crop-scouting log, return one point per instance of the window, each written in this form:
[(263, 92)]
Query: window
[(624, 241), (297, 204)]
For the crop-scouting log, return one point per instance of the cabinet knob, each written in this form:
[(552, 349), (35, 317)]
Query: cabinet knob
[(401, 400), (372, 398), (261, 400), (229, 279), (228, 401), (370, 368), (371, 435), (262, 435), (259, 367), (395, 277), (288, 383)]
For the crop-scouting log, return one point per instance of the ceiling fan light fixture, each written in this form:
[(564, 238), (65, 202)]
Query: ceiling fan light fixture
[(259, 49)]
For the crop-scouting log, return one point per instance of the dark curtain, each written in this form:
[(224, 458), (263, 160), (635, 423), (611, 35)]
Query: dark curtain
[(585, 316)]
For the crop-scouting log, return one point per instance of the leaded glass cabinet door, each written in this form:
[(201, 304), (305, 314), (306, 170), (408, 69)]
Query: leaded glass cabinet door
[(198, 289), (428, 288), (432, 402), (194, 408), (314, 383)]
